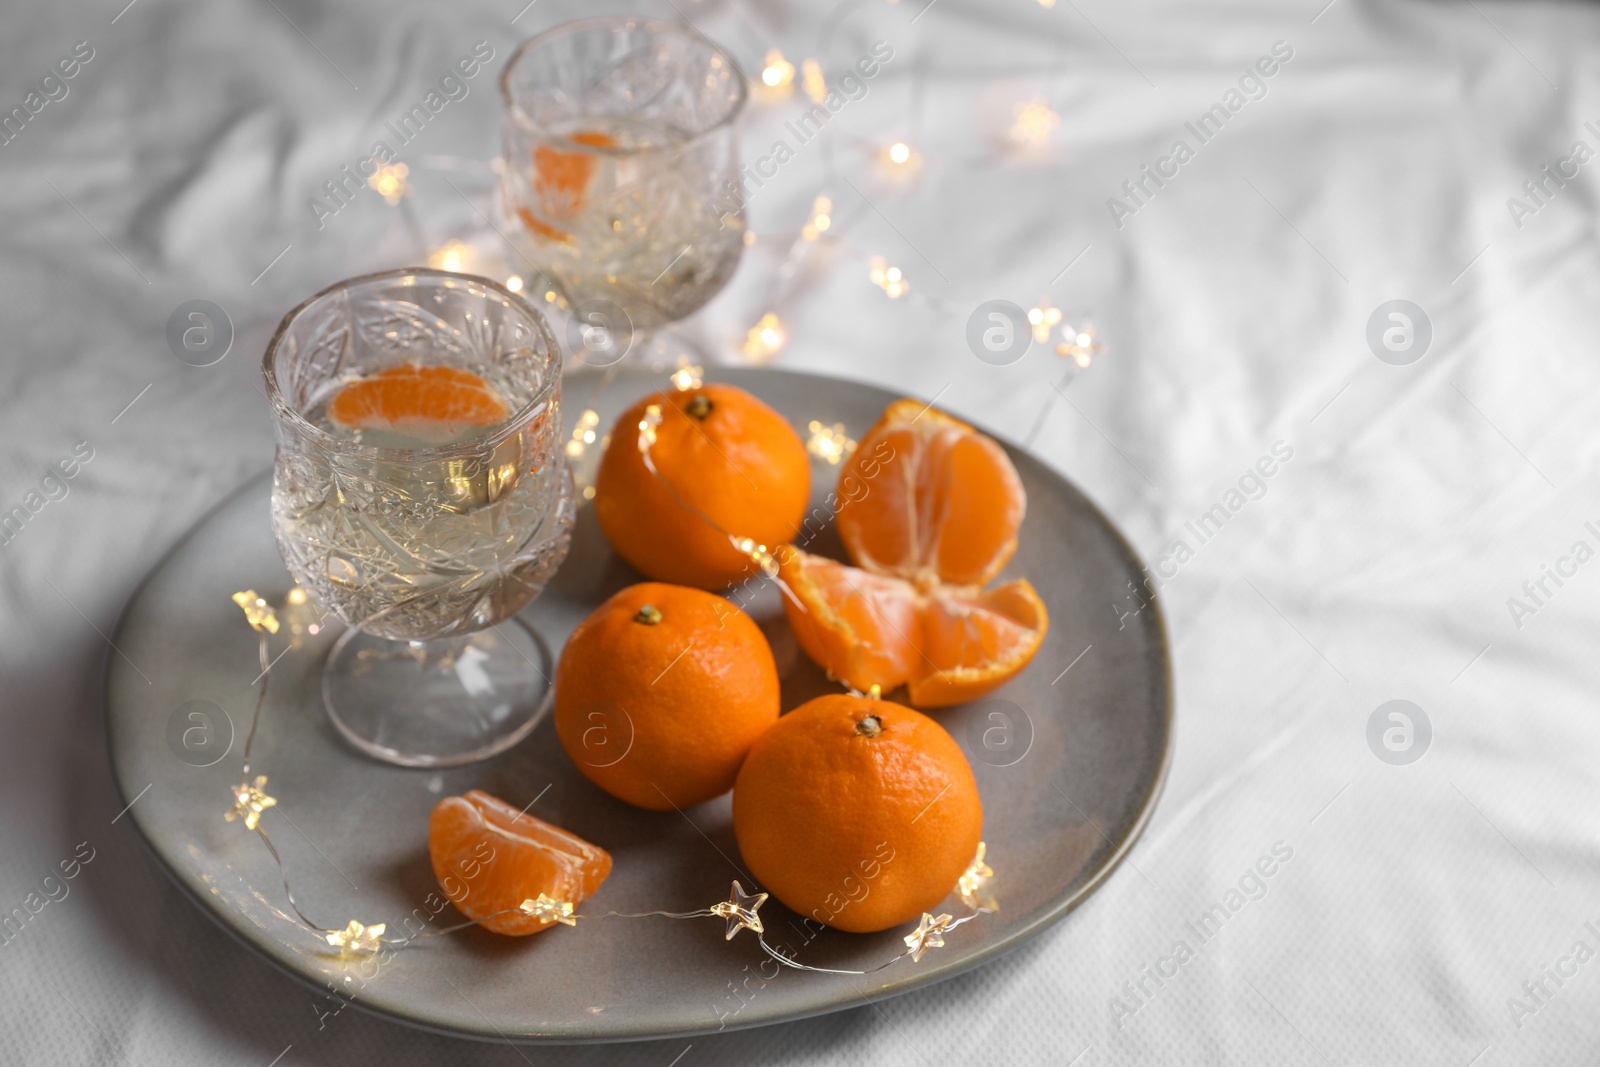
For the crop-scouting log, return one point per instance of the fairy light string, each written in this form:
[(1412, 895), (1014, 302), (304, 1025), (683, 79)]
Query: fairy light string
[(741, 911)]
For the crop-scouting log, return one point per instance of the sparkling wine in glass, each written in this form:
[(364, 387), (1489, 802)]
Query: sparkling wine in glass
[(420, 494), (621, 182)]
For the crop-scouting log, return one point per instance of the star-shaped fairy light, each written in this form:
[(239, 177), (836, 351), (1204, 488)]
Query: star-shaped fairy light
[(740, 910), (973, 880), (249, 801), (928, 934), (357, 939), (257, 612), (547, 909)]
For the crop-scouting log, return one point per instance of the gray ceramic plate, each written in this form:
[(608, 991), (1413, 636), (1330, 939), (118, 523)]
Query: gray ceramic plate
[(1069, 765)]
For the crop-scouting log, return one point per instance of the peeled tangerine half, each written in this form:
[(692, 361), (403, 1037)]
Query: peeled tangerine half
[(929, 510), (947, 645), (927, 498), (489, 858)]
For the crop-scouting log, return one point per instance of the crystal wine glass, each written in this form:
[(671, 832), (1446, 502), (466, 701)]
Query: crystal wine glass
[(621, 182), (426, 538)]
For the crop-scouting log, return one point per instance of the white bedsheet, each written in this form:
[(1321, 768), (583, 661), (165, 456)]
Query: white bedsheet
[(1380, 561)]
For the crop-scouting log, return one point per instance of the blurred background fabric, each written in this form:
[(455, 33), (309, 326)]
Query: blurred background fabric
[(1385, 158)]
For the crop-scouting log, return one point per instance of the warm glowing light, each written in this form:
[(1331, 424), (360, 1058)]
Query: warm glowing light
[(1035, 122), (812, 81), (1078, 344), (357, 938), (389, 180), (928, 934), (514, 283), (1044, 318), (829, 443), (821, 219), (249, 801), (777, 73), (900, 159), (583, 433), (765, 338), (688, 375), (257, 612), (890, 279), (549, 910), (971, 884), (456, 256)]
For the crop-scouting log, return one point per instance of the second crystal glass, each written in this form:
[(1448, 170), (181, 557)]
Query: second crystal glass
[(621, 182), (426, 551)]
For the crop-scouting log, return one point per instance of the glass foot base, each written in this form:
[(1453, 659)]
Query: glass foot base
[(439, 703)]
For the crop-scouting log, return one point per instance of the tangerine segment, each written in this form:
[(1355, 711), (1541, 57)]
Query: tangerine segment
[(561, 182), (947, 645), (863, 628), (942, 502), (978, 642), (489, 858), (857, 813), (427, 401)]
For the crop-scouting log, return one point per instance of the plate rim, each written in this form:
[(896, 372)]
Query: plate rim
[(912, 980)]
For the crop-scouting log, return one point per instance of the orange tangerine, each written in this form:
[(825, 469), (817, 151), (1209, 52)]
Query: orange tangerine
[(727, 464), (858, 813), (661, 692)]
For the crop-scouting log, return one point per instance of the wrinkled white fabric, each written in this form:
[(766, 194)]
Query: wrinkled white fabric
[(1385, 559)]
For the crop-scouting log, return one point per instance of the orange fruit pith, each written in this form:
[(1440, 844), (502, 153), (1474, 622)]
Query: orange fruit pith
[(561, 183), (661, 692), (489, 857), (430, 402), (929, 509), (858, 813), (946, 644), (728, 464), (925, 497)]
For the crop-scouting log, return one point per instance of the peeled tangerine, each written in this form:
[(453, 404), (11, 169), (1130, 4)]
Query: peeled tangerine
[(489, 858), (929, 510)]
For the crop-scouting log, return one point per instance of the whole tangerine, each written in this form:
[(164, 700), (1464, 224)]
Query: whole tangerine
[(727, 465), (661, 692), (859, 813)]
